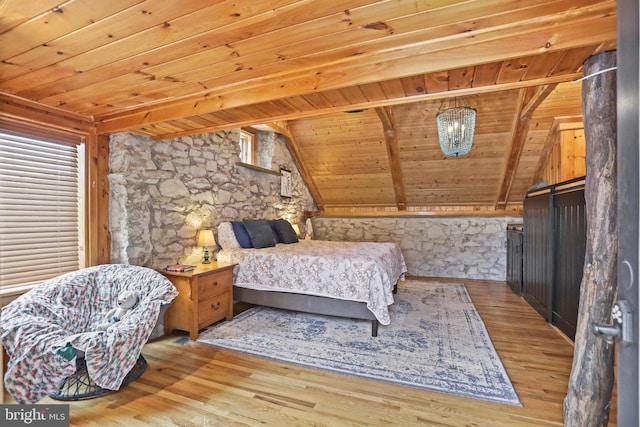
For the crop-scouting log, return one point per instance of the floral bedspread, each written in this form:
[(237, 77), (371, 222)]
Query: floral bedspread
[(357, 271), (66, 310)]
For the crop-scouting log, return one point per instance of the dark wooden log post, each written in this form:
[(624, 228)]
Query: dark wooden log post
[(591, 381)]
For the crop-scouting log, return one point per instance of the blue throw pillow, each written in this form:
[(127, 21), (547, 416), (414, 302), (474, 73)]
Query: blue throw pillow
[(260, 232), (241, 234), (285, 231)]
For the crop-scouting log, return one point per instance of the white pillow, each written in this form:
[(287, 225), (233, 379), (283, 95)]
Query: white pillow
[(226, 236)]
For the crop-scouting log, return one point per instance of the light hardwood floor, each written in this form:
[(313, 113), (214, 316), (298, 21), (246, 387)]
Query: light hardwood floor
[(189, 384)]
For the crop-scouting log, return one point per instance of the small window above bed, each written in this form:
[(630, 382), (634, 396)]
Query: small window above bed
[(248, 147)]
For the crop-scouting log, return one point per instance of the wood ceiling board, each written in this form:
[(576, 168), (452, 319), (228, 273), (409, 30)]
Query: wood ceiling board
[(169, 27), (346, 154), (333, 189), (317, 100), (358, 198), (393, 89), (260, 66), (189, 64), (149, 29), (15, 12), (459, 183), (414, 85), (347, 159), (438, 173), (542, 66), (573, 60), (354, 94), (486, 74), (336, 97), (410, 62), (513, 70), (437, 82), (204, 120), (373, 91), (461, 78), (373, 179), (36, 40)]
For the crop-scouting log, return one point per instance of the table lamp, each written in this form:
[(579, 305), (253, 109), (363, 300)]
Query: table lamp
[(206, 239)]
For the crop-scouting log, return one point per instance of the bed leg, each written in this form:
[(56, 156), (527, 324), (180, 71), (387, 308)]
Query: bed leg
[(374, 328)]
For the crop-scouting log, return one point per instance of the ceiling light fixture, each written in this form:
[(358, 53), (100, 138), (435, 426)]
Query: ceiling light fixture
[(456, 127)]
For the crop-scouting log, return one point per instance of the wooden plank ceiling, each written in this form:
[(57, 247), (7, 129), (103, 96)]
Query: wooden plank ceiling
[(173, 68)]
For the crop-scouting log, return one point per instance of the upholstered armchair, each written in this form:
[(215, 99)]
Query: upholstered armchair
[(52, 331)]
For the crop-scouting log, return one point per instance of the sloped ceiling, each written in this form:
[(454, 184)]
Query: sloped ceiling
[(167, 69)]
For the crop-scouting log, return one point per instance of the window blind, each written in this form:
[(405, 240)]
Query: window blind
[(40, 221)]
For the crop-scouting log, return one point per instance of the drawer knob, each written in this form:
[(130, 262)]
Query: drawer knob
[(215, 306), (215, 283)]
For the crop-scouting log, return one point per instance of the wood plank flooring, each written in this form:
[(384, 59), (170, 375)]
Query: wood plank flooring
[(189, 384)]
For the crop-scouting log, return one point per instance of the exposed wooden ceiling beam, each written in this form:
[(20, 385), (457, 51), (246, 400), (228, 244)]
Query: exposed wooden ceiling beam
[(393, 153), (369, 104), (13, 107), (283, 128), (424, 212), (540, 94), (530, 99)]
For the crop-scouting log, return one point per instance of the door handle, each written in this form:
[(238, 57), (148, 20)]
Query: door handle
[(622, 328)]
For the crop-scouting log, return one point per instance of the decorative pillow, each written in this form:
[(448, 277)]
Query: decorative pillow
[(276, 236), (260, 233), (285, 231), (241, 234), (226, 236)]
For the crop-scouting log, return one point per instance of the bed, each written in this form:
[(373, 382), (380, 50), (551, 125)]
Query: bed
[(346, 279)]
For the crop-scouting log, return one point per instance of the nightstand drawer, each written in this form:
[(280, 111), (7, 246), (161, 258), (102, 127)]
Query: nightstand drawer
[(214, 284), (213, 309)]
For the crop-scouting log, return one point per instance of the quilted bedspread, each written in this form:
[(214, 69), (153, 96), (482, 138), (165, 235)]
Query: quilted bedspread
[(356, 271), (66, 310)]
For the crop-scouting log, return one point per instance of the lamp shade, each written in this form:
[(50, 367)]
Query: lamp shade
[(205, 238), (456, 127)]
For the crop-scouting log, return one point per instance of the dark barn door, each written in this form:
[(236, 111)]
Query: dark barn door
[(538, 254), (515, 240), (570, 245)]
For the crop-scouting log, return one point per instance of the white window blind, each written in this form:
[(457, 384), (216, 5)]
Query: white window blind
[(41, 209)]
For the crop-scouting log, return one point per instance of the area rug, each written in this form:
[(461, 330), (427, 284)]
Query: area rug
[(436, 341)]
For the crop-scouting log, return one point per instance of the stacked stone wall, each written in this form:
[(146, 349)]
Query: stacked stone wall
[(163, 192), (458, 247)]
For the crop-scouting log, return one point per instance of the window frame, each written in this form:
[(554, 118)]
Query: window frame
[(252, 137)]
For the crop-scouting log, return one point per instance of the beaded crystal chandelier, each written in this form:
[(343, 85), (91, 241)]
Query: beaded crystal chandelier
[(455, 130)]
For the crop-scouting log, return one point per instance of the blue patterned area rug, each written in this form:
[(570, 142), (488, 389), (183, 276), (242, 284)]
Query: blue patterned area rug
[(436, 341)]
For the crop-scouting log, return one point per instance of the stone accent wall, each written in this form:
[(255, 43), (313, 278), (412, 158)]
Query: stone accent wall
[(163, 192), (458, 247)]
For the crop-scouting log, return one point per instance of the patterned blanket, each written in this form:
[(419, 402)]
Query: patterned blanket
[(356, 271), (66, 310)]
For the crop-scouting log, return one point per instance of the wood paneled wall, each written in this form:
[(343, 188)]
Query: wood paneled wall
[(567, 158), (573, 154)]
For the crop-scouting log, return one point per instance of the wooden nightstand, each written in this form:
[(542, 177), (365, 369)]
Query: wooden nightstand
[(206, 296)]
